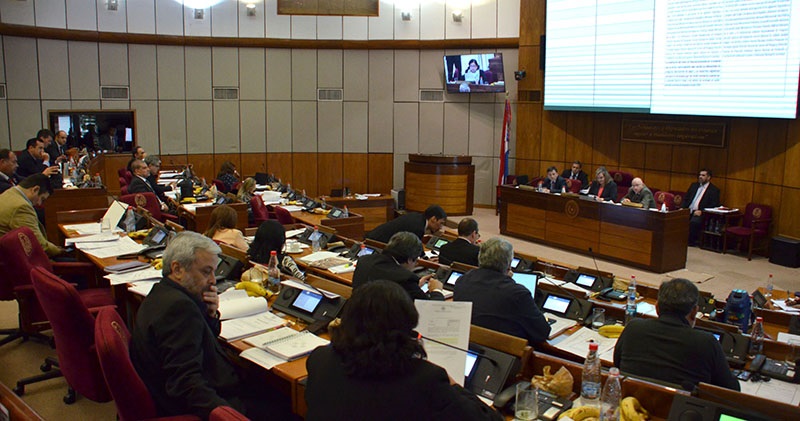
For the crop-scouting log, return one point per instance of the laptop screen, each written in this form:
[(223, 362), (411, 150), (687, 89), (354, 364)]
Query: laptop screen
[(528, 280)]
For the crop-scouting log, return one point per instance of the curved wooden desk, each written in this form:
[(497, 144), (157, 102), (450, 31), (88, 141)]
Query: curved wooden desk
[(448, 181)]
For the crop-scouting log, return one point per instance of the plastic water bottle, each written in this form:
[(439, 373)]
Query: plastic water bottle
[(346, 212), (630, 307), (612, 393), (273, 273), (663, 208), (98, 181), (757, 337), (563, 189), (315, 247), (770, 287), (324, 205), (590, 378), (130, 220)]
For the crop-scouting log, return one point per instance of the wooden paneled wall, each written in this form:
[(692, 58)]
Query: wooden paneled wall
[(759, 163), (317, 173)]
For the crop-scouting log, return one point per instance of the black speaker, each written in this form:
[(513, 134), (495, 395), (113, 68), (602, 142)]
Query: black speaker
[(785, 251)]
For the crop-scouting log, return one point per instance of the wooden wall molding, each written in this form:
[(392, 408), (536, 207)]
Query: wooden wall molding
[(195, 41)]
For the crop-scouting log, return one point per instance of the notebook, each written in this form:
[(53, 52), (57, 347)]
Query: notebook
[(287, 343)]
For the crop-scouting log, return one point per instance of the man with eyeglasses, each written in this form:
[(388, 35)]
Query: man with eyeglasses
[(464, 248)]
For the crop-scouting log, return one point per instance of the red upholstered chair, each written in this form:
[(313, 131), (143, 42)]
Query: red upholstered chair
[(283, 216), (271, 212), (536, 181), (621, 178), (510, 179), (123, 182), (678, 197), (260, 213), (226, 413), (150, 202), (574, 186), (665, 197), (220, 185), (123, 190), (73, 329), (131, 397), (754, 226), (235, 187)]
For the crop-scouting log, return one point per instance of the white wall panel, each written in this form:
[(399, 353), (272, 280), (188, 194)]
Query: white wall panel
[(431, 69), (456, 128), (225, 19), (484, 22), (172, 127), (481, 129), (17, 12), (82, 14), (329, 123), (143, 72), (170, 61), (251, 26), (113, 64), (398, 170), (226, 127), (141, 16), (355, 121), (49, 13), (5, 142), (253, 126), (278, 26), (147, 125), (21, 80), (355, 28), (508, 18), (53, 69), (85, 104), (304, 126), (25, 119), (431, 127), (381, 75), (196, 27), (329, 27), (406, 127), (432, 20), (169, 17), (381, 126), (304, 27), (112, 20), (115, 104), (2, 63), (198, 72), (84, 70), (382, 26), (279, 126), (406, 29), (199, 126), (457, 30), (279, 74), (356, 71), (406, 75), (304, 75), (252, 76), (225, 66), (329, 68), (485, 180)]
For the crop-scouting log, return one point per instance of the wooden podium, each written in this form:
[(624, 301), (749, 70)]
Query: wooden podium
[(448, 181)]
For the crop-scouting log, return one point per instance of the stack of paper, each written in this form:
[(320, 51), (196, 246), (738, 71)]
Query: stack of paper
[(235, 303), (287, 343), (578, 344), (123, 245), (150, 273), (245, 326)]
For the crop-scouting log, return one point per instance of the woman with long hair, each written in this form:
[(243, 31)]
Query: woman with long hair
[(375, 366), (245, 193), (603, 187), (222, 227), (228, 175), (269, 237)]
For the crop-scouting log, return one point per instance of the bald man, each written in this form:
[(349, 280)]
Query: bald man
[(639, 193)]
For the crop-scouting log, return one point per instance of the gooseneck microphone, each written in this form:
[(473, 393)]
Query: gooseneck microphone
[(596, 267)]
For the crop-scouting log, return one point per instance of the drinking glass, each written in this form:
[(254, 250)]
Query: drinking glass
[(105, 225), (527, 403), (598, 318), (794, 352)]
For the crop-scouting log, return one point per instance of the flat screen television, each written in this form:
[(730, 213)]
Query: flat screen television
[(707, 58), (474, 73)]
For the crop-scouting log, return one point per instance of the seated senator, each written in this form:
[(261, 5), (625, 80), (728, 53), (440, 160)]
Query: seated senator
[(498, 302), (140, 182), (17, 209), (222, 227), (430, 222), (396, 263), (375, 367), (270, 237), (639, 193), (463, 248), (576, 173), (603, 188), (553, 183), (668, 348), (228, 175)]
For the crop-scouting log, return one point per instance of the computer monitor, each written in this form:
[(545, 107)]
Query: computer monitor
[(528, 280)]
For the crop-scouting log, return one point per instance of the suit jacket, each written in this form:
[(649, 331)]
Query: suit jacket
[(382, 266), (175, 350), (582, 176), (140, 185), (710, 197), (459, 250), (28, 165), (17, 211), (554, 186), (645, 197), (7, 182), (160, 190), (54, 151), (413, 222), (424, 393), (499, 303), (609, 192)]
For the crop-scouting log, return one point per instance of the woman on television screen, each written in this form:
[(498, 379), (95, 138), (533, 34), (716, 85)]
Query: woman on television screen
[(474, 74)]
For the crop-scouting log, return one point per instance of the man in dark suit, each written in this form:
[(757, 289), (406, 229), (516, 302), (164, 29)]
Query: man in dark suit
[(55, 146), (463, 248), (701, 195), (32, 160), (8, 169), (154, 165), (138, 153), (414, 222), (576, 173), (174, 345), (396, 263), (139, 183), (553, 183)]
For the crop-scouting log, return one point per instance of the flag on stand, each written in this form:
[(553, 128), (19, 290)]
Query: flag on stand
[(503, 173)]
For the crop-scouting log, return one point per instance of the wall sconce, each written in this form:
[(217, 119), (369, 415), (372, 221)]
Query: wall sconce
[(251, 9), (405, 15), (112, 5), (458, 16), (199, 14)]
